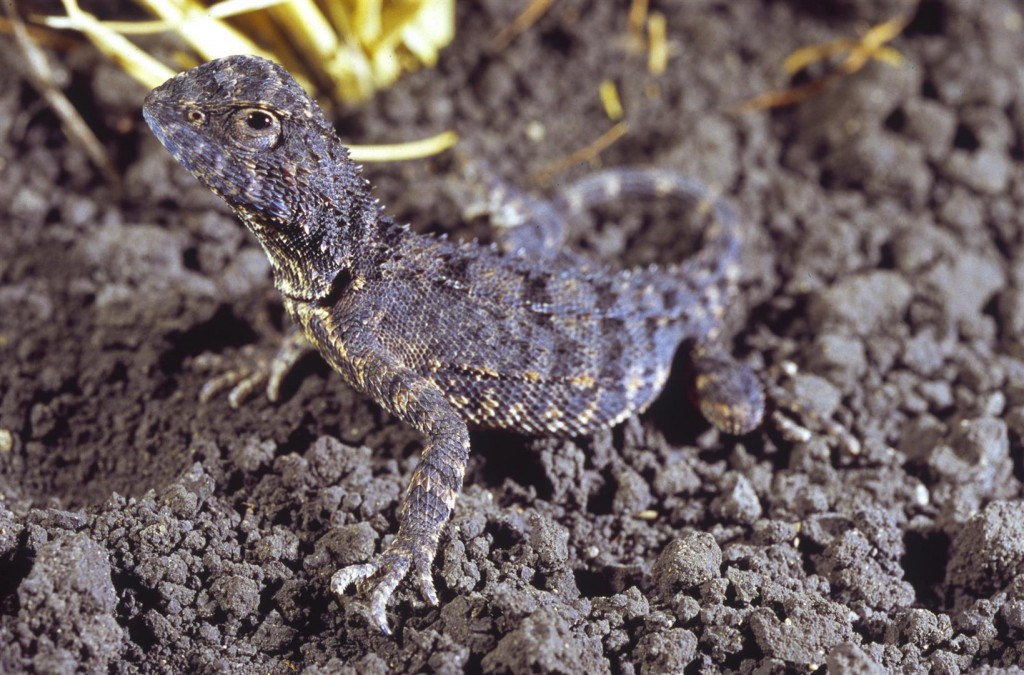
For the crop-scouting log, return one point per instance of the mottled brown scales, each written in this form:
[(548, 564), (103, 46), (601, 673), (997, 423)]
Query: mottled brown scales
[(523, 336)]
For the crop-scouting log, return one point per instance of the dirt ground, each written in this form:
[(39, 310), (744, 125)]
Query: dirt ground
[(143, 531)]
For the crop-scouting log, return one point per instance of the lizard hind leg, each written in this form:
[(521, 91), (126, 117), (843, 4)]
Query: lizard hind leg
[(728, 393), (733, 397)]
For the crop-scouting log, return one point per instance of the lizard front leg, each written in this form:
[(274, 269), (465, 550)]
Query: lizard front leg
[(430, 497)]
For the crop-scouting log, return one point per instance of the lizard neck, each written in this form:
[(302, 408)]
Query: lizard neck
[(329, 239)]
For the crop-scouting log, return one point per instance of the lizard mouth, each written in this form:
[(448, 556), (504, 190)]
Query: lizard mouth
[(176, 119), (167, 124), (174, 124)]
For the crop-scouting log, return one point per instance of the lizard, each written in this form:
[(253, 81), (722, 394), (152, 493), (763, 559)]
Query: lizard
[(450, 335)]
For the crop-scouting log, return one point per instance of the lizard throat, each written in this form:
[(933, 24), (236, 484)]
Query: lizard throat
[(310, 259)]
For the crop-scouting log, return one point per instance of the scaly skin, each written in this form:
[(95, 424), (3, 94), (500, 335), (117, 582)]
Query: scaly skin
[(450, 335)]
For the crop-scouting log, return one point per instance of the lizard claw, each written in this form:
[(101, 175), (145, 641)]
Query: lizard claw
[(257, 369), (381, 576), (786, 400), (239, 382)]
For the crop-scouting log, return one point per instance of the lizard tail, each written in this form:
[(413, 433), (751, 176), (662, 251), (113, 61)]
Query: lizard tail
[(694, 290)]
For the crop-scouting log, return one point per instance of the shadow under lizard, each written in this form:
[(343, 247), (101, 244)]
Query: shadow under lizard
[(445, 335)]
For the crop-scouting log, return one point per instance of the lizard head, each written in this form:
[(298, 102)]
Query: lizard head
[(249, 132)]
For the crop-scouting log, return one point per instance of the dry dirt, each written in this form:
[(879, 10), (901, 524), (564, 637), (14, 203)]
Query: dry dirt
[(143, 531)]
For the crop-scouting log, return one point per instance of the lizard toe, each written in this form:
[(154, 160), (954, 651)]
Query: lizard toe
[(239, 381), (806, 412), (253, 367), (426, 582), (352, 575), (377, 579), (244, 390)]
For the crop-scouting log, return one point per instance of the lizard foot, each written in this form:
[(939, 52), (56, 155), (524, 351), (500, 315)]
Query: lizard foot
[(380, 577), (785, 400), (257, 369), (728, 393), (733, 398)]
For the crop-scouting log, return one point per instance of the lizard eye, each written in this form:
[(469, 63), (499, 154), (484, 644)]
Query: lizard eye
[(258, 120), (195, 116), (257, 129)]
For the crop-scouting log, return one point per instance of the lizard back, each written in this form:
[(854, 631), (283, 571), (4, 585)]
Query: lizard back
[(540, 347)]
